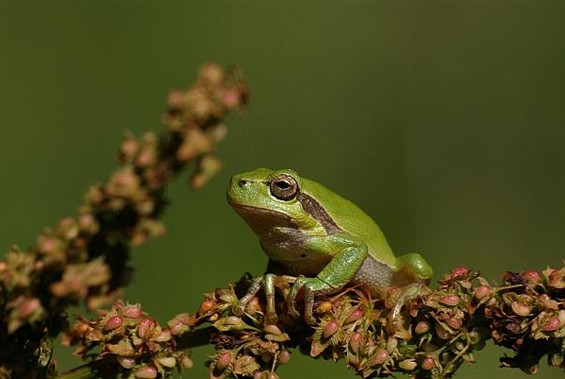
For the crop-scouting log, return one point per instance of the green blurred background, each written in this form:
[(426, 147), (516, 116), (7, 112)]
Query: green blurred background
[(443, 120)]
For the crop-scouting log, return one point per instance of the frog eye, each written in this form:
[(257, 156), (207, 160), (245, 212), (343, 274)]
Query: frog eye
[(284, 187)]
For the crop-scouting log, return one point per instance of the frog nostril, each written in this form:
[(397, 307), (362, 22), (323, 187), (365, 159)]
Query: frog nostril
[(242, 182)]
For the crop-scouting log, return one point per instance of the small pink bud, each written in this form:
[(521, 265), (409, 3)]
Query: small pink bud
[(551, 325), (428, 363), (132, 311), (330, 329), (354, 316), (144, 327), (224, 359), (206, 306), (459, 271), (483, 291), (355, 342), (454, 323), (113, 323), (520, 309), (146, 372), (284, 356), (531, 276), (381, 356), (422, 327), (126, 362), (28, 307), (450, 300), (557, 278)]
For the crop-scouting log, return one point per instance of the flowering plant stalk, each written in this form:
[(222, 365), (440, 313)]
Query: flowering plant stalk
[(432, 336), (86, 258)]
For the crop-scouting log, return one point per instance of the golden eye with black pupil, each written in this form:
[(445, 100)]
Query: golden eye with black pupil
[(284, 187)]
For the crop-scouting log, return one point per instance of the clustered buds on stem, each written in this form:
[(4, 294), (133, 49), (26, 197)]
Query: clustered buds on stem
[(434, 334), (130, 342), (84, 258)]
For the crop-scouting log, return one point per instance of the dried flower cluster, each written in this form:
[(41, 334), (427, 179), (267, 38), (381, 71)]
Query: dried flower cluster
[(128, 342), (431, 337), (85, 257), (529, 318)]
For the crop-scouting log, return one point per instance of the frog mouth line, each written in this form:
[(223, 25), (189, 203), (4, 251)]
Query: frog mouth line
[(261, 216)]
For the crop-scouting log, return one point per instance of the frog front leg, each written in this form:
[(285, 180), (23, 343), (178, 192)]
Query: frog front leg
[(267, 282), (348, 254)]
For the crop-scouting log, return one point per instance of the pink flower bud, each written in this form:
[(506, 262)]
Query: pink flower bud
[(531, 276), (422, 327), (224, 359), (144, 327), (132, 311), (521, 309), (428, 363), (284, 356), (330, 329), (454, 323), (551, 325), (146, 372), (206, 306), (381, 356), (483, 291), (113, 323), (354, 316), (449, 300), (459, 271), (126, 362), (355, 342), (28, 307)]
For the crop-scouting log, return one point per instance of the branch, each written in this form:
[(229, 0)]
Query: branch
[(85, 258), (431, 337)]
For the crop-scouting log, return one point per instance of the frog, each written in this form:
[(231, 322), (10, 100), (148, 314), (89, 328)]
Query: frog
[(322, 240)]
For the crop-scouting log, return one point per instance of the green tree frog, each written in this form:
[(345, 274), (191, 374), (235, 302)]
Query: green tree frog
[(312, 233)]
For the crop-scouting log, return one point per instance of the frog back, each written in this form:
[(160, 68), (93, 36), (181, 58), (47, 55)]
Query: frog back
[(349, 218)]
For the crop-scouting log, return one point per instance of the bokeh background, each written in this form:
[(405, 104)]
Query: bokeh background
[(443, 120)]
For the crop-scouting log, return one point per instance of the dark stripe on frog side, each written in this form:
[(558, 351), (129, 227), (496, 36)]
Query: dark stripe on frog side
[(314, 209)]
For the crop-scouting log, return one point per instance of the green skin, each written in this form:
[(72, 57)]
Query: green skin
[(325, 240)]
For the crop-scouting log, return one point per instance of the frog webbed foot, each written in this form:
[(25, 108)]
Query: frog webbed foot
[(311, 287), (398, 299), (267, 282)]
